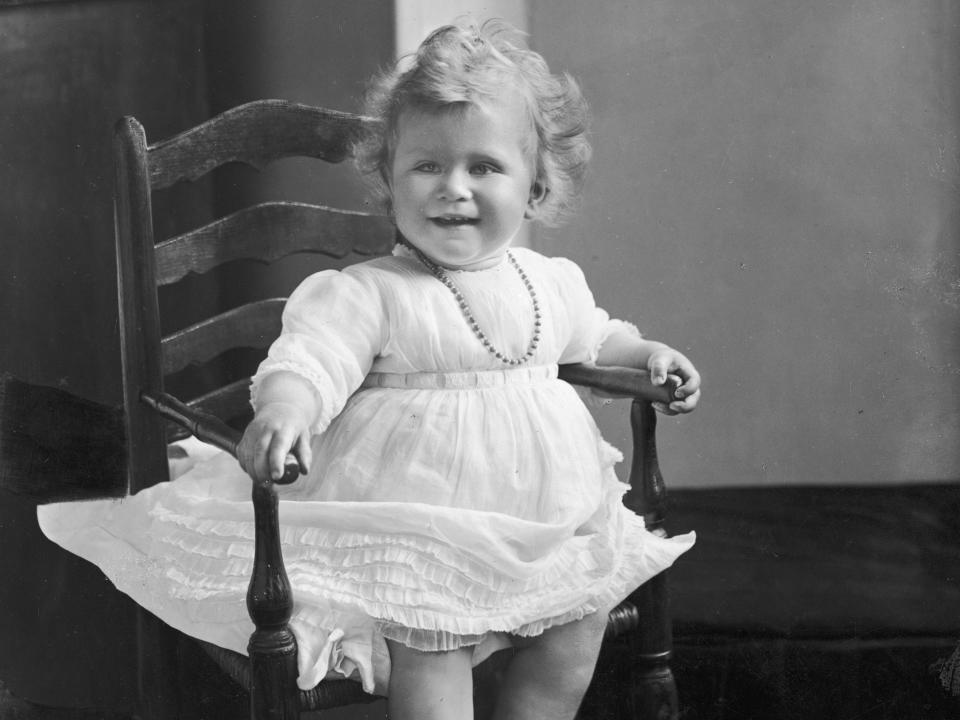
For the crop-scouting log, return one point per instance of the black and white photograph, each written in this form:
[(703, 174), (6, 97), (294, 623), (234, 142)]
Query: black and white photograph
[(479, 360)]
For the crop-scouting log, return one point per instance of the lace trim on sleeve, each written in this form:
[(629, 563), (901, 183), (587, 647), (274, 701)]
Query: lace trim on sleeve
[(322, 386)]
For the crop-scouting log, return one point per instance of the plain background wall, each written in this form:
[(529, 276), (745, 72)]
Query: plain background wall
[(415, 19), (775, 190)]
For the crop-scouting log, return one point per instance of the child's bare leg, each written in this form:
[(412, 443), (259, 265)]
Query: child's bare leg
[(430, 685), (550, 673)]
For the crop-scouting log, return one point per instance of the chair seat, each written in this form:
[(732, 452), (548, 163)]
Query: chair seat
[(327, 694)]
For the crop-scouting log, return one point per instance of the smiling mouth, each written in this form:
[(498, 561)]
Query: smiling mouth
[(454, 220)]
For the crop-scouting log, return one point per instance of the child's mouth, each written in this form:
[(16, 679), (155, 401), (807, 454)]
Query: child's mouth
[(454, 220)]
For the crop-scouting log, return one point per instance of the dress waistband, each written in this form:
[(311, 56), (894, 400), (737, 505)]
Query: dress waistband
[(467, 380)]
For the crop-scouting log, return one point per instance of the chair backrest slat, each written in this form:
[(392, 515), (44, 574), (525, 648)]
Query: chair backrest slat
[(254, 325), (268, 232), (256, 134), (217, 351), (229, 403)]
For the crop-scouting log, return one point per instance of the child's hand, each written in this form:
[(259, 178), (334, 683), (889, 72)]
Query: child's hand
[(276, 430), (666, 363)]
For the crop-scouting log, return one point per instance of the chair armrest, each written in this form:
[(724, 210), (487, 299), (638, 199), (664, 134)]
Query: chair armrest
[(645, 616), (209, 429), (273, 647), (622, 381), (647, 494)]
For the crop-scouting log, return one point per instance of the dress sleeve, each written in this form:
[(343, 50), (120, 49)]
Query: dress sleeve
[(589, 325), (334, 325)]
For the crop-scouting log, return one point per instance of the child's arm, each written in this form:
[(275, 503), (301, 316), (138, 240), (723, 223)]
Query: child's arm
[(628, 350), (286, 407)]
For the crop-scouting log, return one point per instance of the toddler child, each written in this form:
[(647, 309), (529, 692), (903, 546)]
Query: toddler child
[(458, 497)]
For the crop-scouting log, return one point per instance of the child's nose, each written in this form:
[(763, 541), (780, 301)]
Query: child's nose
[(455, 185)]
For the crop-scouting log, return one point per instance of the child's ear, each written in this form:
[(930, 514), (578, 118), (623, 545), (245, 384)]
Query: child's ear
[(538, 193)]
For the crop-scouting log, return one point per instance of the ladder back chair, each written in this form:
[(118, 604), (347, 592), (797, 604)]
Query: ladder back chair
[(257, 133)]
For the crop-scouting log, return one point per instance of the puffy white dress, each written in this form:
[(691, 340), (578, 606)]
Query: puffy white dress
[(452, 502)]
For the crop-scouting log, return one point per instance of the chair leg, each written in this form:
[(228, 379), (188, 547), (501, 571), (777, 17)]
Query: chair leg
[(654, 688), (273, 666), (273, 647), (655, 693)]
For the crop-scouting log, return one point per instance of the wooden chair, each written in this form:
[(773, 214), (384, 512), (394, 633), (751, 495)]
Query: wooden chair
[(257, 133)]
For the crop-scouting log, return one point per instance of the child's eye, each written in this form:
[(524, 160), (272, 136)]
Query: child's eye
[(485, 168), (427, 167)]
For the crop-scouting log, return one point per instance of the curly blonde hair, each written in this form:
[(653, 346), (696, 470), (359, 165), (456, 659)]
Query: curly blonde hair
[(458, 66)]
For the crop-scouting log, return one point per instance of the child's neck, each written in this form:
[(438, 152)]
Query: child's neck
[(484, 264)]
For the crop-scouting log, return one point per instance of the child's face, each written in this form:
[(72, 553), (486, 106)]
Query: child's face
[(462, 182)]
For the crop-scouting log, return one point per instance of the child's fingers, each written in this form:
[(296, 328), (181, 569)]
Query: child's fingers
[(687, 382), (663, 408), (691, 381), (261, 462), (304, 454), (252, 454), (280, 447), (659, 366), (673, 383), (687, 404)]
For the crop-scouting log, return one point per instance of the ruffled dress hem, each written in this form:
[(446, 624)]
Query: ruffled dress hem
[(353, 591)]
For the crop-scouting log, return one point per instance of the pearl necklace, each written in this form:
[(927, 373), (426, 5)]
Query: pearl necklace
[(441, 274)]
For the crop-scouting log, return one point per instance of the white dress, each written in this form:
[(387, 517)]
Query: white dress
[(452, 502)]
